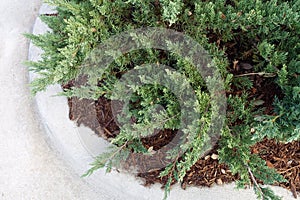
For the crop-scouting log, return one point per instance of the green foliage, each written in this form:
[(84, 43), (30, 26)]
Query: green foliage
[(171, 10), (109, 159), (285, 126), (265, 193), (270, 30)]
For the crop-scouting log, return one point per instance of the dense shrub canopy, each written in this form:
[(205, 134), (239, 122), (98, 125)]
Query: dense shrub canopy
[(247, 39)]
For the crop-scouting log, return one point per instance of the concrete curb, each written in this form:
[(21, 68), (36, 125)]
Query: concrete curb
[(78, 146)]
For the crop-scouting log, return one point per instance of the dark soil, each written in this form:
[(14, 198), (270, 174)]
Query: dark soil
[(285, 158)]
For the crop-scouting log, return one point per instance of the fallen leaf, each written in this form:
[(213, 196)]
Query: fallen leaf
[(258, 102), (246, 66)]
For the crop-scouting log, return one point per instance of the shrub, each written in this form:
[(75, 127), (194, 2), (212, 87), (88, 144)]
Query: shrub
[(261, 36)]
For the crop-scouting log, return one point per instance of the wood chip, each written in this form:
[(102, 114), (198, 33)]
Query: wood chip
[(235, 65), (255, 151), (223, 171), (293, 189), (214, 156), (207, 157), (285, 158), (219, 181), (269, 164)]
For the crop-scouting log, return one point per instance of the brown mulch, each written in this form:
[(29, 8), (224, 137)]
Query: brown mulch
[(285, 158), (97, 115)]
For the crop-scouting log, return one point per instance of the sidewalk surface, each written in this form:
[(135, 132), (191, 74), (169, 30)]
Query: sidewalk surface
[(31, 168)]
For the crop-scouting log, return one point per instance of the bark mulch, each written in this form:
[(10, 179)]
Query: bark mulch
[(285, 158)]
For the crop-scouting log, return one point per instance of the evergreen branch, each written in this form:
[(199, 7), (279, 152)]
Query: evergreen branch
[(100, 161), (255, 182), (257, 73)]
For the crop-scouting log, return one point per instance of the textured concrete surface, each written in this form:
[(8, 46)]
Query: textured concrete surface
[(38, 160), (29, 168)]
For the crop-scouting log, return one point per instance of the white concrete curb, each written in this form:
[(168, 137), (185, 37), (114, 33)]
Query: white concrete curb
[(71, 142)]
